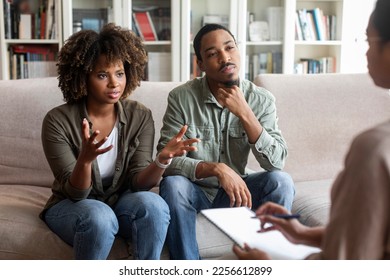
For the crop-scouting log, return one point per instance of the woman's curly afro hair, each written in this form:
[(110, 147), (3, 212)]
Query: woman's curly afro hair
[(81, 51)]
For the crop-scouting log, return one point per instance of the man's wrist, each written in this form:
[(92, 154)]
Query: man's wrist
[(207, 169)]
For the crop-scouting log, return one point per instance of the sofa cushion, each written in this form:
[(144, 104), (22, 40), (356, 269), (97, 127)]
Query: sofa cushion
[(312, 202), (24, 236), (320, 114)]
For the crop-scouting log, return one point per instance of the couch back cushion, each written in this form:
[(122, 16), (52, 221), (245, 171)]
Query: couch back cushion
[(320, 114), (23, 105), (154, 95)]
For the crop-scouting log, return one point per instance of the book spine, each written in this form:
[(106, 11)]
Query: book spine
[(312, 26), (145, 26), (152, 26), (304, 26), (298, 29), (25, 26), (319, 23)]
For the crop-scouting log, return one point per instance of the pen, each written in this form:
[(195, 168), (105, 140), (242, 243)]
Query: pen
[(284, 216)]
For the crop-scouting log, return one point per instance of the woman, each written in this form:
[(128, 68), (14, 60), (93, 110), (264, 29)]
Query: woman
[(360, 212), (99, 146)]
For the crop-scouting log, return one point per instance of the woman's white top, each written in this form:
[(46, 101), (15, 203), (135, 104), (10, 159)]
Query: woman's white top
[(106, 161)]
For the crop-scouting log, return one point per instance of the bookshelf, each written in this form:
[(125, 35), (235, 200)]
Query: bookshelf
[(161, 44), (176, 22), (30, 37), (193, 15), (344, 48), (164, 63), (263, 54)]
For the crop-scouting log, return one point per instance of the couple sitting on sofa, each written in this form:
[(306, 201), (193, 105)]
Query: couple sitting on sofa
[(195, 179), (99, 146)]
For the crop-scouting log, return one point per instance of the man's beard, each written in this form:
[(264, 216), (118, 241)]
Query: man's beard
[(231, 83)]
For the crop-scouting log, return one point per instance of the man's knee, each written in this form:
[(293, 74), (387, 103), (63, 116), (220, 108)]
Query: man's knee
[(155, 205), (282, 181), (174, 186)]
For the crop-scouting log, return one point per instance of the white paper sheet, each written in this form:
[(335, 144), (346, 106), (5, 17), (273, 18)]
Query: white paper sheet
[(238, 224)]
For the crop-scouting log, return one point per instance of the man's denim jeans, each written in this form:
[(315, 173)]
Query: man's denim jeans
[(185, 199), (90, 225)]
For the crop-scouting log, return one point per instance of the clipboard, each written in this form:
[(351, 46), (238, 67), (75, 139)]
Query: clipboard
[(238, 224)]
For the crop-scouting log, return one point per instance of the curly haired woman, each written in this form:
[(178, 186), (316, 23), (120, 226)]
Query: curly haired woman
[(99, 146)]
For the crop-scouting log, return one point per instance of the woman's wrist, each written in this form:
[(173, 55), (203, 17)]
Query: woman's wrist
[(162, 165)]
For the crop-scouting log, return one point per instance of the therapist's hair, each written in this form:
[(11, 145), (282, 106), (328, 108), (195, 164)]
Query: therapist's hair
[(381, 19), (81, 51), (203, 31)]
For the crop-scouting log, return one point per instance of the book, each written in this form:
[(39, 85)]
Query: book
[(25, 26), (145, 26), (263, 60), (238, 224), (298, 28), (277, 62), (256, 64), (49, 18), (302, 15), (319, 23), (314, 35)]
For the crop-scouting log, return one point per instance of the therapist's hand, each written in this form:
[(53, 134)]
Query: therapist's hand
[(249, 254)]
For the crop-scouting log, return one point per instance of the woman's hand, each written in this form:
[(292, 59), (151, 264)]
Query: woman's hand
[(250, 254), (292, 229), (177, 146), (81, 177), (90, 146)]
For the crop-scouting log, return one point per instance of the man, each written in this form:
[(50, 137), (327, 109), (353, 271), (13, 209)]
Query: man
[(231, 117)]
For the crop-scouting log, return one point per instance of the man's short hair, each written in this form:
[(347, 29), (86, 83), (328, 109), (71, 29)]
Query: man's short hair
[(203, 31)]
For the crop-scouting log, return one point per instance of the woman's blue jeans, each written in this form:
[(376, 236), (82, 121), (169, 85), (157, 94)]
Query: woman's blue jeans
[(90, 225), (185, 199)]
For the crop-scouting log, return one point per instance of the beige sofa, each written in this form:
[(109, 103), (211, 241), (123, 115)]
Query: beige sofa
[(318, 115)]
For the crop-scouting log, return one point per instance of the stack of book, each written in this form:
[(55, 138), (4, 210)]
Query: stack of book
[(37, 20), (152, 23), (144, 26), (263, 62), (313, 25), (315, 66), (32, 61)]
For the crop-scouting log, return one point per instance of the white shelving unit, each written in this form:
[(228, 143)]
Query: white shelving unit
[(192, 13), (6, 43), (121, 14), (186, 19), (348, 48)]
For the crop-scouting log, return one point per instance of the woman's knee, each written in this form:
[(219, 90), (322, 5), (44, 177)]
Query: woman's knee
[(98, 215)]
